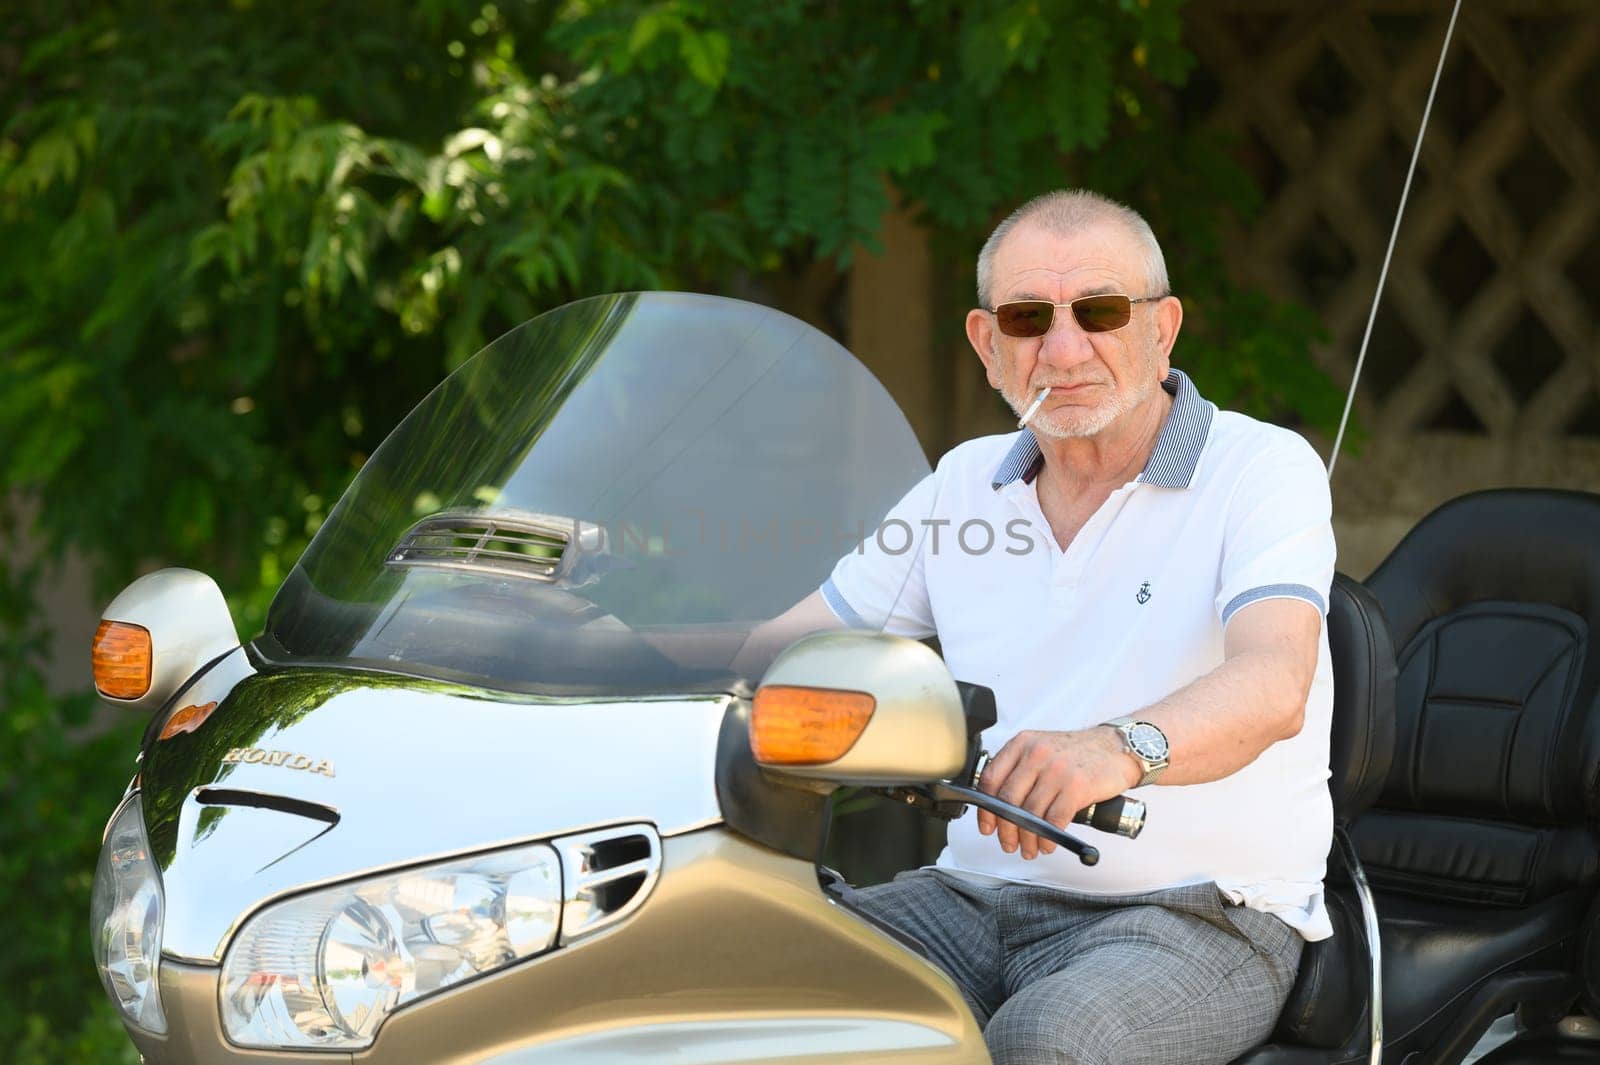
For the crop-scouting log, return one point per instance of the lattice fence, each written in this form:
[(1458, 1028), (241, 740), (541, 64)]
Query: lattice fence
[(1485, 363), (1490, 320)]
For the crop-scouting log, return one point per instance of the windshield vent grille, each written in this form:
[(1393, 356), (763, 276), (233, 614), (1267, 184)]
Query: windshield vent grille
[(510, 547), (607, 874)]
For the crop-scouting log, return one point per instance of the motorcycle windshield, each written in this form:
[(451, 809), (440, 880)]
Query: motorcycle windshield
[(605, 500)]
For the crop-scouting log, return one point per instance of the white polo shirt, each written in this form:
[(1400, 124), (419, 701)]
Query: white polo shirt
[(1228, 511)]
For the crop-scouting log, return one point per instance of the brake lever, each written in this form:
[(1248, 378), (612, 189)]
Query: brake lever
[(944, 799), (1121, 815), (944, 791)]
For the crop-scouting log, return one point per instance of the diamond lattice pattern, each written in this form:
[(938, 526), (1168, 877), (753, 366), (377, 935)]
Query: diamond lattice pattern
[(1489, 321)]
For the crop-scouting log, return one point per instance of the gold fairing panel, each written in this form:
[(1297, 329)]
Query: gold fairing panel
[(417, 770), (736, 957)]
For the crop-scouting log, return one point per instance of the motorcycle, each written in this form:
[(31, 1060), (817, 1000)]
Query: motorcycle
[(519, 772)]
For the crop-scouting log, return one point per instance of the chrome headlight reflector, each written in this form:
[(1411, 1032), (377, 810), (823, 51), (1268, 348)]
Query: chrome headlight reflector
[(125, 914), (325, 969)]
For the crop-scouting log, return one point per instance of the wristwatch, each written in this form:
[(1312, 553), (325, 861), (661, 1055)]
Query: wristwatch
[(1147, 744)]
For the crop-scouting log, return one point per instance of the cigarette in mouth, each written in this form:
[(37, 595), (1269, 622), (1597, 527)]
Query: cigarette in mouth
[(1043, 392)]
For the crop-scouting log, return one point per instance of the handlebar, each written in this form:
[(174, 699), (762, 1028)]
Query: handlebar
[(1119, 815)]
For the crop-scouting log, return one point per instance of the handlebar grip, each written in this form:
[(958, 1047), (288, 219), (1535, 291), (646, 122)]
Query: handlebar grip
[(1120, 816)]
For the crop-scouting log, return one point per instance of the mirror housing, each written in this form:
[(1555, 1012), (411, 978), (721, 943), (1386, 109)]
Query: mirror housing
[(188, 626), (916, 731)]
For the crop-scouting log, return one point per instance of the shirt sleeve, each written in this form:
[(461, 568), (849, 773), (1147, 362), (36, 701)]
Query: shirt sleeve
[(881, 584), (1278, 541)]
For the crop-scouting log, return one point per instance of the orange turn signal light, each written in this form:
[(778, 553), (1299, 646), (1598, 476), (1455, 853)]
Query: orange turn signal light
[(188, 719), (122, 656), (791, 725)]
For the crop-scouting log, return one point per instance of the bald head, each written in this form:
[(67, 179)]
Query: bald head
[(1069, 211)]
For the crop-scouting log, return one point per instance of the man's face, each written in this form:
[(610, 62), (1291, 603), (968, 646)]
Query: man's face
[(1095, 378)]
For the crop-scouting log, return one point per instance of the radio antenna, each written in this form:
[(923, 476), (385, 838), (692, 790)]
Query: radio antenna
[(1383, 275)]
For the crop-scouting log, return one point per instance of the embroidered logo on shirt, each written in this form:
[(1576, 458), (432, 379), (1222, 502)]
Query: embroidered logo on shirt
[(1143, 595)]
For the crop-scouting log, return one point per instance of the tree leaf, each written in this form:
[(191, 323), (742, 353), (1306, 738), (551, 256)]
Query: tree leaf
[(706, 54)]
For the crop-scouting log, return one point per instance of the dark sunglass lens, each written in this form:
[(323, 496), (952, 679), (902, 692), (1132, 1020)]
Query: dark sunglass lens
[(1102, 314), (1030, 318)]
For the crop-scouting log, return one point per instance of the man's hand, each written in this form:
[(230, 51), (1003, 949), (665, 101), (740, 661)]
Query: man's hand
[(1054, 775)]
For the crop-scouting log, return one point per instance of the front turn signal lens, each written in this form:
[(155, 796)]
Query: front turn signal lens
[(122, 655), (188, 719), (791, 725)]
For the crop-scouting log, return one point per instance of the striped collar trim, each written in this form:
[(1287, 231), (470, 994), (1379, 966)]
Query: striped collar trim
[(1177, 452)]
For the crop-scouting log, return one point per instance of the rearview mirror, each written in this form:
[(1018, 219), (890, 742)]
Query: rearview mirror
[(854, 707), (157, 634)]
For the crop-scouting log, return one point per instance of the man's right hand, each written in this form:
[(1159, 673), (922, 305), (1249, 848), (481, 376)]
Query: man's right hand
[(1053, 775)]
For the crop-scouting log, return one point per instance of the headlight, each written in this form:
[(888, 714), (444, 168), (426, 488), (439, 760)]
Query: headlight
[(325, 969), (125, 919)]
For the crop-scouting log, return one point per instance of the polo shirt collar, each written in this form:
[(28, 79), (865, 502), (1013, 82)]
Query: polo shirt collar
[(1177, 452)]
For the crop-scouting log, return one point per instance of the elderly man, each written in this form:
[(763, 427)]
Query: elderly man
[(1150, 620)]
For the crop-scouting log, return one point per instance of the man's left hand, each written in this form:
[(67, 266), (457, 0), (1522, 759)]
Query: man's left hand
[(1053, 775)]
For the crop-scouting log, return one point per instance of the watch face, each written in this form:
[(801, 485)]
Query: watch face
[(1148, 742)]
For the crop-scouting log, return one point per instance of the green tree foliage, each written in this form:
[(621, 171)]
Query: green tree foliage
[(56, 794), (241, 239)]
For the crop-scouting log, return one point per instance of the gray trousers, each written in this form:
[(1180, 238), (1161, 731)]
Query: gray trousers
[(1173, 977)]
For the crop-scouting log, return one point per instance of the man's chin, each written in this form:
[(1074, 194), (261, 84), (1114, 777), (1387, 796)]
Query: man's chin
[(1072, 425)]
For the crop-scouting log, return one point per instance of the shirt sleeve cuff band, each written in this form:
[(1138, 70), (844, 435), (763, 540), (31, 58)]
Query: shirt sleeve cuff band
[(1270, 591), (836, 603)]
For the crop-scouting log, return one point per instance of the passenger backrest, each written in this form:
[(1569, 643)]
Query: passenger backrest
[(1491, 600), (1363, 660), (1327, 1005)]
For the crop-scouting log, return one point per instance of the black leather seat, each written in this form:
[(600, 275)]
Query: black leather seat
[(1549, 1044), (1325, 1018), (1479, 847)]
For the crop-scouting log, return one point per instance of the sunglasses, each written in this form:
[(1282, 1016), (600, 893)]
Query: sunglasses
[(1094, 314)]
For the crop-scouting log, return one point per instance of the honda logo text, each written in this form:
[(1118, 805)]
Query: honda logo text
[(287, 759)]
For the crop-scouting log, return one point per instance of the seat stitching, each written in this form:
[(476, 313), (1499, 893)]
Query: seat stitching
[(1415, 774), (1368, 629), (1569, 696)]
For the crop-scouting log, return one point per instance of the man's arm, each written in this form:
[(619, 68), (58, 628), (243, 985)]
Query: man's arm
[(809, 615), (869, 588), (1215, 725)]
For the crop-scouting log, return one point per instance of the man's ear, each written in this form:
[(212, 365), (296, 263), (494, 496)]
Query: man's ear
[(1169, 319), (982, 336)]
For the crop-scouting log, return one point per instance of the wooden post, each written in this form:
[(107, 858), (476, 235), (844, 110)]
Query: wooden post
[(891, 324)]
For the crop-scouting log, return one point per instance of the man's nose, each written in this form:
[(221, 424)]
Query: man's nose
[(1066, 344)]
